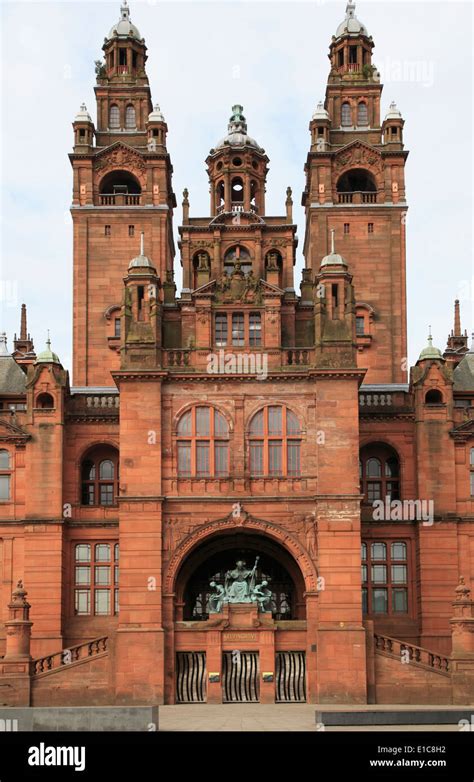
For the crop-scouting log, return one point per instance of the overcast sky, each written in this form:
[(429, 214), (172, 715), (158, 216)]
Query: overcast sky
[(202, 58)]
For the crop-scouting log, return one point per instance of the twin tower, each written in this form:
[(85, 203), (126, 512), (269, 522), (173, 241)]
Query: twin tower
[(238, 281)]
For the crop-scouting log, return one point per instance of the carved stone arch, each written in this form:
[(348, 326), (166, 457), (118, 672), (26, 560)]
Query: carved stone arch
[(286, 539)]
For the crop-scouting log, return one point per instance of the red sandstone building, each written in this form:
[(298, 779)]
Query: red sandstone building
[(239, 420)]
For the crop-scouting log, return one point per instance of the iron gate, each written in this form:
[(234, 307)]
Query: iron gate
[(240, 677), (290, 677), (190, 677)]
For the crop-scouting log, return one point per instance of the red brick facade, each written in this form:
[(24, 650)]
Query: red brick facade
[(235, 421)]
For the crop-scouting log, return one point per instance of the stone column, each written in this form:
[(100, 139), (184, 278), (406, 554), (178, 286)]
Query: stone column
[(15, 665), (462, 656)]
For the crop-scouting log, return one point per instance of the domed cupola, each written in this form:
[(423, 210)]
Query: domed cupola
[(237, 132), (351, 25), (351, 47), (124, 27), (237, 168)]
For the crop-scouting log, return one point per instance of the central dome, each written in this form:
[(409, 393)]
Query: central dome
[(237, 132), (124, 28)]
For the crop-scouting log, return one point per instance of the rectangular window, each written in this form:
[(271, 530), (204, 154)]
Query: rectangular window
[(352, 54), (202, 459), (399, 601), (399, 574), (203, 421), (221, 330), (274, 420), (4, 487), (293, 458), (347, 228), (255, 329), (380, 601), (238, 329), (117, 327), (364, 601), (360, 325), (374, 491), (363, 574), (107, 230), (221, 458), (96, 579), (131, 230), (106, 494), (370, 228), (122, 56), (472, 484), (379, 574), (256, 458), (274, 457), (184, 459)]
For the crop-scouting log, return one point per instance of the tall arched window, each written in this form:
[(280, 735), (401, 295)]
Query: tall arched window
[(362, 114), (203, 444), (379, 473), (275, 443), (5, 475), (130, 121), (114, 117), (99, 477), (237, 257), (346, 114)]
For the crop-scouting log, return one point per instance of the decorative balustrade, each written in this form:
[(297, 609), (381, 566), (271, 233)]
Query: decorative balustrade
[(297, 356), (120, 199), (236, 206), (177, 358), (87, 405), (375, 400), (357, 197), (57, 660), (416, 654)]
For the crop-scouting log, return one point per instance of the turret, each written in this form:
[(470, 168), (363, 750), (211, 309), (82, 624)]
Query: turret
[(237, 169)]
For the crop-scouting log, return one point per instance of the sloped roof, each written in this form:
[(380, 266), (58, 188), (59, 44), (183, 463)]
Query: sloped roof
[(12, 377), (463, 375)]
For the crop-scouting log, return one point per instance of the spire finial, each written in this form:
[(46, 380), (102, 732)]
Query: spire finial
[(23, 329), (333, 233), (430, 337), (48, 341), (457, 319), (142, 243)]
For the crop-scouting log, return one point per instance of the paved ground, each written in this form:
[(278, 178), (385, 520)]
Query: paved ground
[(258, 717)]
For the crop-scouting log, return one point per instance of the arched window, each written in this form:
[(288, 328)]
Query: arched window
[(44, 401), (5, 475), (362, 114), (434, 397), (356, 180), (96, 571), (346, 114), (379, 473), (237, 190), (203, 444), (99, 477), (275, 443), (130, 121), (114, 117)]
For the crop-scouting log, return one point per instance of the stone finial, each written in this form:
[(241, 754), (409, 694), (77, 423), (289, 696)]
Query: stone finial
[(289, 205), (462, 591), (185, 205)]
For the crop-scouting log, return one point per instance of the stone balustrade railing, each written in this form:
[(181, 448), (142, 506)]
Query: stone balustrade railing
[(393, 647), (57, 660)]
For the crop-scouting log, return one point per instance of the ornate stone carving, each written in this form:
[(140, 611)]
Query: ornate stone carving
[(120, 157), (358, 155)]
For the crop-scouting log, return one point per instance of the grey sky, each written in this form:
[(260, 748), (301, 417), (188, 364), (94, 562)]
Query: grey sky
[(202, 58)]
